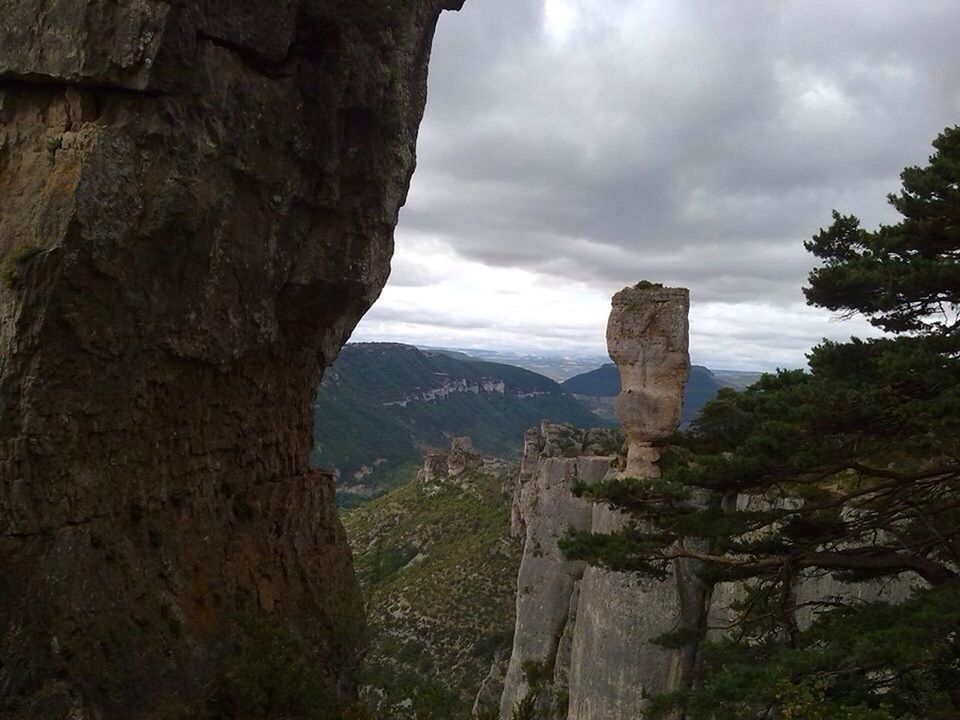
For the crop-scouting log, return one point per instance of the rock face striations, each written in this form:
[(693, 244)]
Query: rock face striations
[(198, 203)]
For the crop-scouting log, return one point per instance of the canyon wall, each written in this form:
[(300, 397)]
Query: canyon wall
[(198, 202)]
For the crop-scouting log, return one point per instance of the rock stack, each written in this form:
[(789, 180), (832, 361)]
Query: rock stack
[(647, 337), (582, 647), (615, 663)]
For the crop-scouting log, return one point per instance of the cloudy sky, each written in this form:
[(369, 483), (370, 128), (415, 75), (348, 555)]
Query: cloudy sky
[(572, 147)]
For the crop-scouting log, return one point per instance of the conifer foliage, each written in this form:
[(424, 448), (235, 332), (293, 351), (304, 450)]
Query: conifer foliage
[(849, 469)]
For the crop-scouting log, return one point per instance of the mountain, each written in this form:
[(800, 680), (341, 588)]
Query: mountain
[(555, 367), (438, 572), (382, 404), (736, 379), (602, 382), (597, 389)]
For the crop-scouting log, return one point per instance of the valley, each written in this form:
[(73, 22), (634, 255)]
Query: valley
[(438, 526), (382, 405)]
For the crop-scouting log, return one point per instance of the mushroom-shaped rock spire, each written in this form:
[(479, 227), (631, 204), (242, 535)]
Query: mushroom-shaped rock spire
[(648, 337)]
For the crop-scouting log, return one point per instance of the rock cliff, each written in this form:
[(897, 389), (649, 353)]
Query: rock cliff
[(583, 644), (198, 206), (619, 613), (548, 584)]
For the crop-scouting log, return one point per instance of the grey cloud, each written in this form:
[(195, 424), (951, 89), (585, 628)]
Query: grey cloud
[(405, 273), (699, 145), (519, 327), (431, 318)]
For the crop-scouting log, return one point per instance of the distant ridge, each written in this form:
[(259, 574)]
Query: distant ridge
[(603, 384), (557, 367), (737, 379)]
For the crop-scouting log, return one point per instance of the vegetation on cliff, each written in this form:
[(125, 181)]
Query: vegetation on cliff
[(850, 469), (439, 574)]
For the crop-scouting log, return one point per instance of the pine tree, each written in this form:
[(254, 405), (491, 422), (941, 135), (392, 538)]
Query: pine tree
[(850, 468), (906, 277)]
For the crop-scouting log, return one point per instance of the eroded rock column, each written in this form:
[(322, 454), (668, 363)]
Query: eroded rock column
[(197, 203), (648, 339), (613, 662)]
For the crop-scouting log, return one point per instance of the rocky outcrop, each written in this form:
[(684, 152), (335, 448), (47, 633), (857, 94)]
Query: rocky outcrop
[(620, 613), (446, 467), (584, 643), (487, 701), (463, 467), (198, 205), (555, 458)]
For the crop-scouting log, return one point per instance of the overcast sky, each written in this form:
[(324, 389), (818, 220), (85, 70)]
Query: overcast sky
[(572, 147)]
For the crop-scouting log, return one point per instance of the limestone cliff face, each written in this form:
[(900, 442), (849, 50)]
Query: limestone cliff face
[(452, 387), (585, 632), (198, 202), (544, 509)]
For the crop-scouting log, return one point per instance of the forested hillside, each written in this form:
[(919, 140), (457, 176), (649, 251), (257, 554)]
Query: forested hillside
[(382, 405), (438, 572)]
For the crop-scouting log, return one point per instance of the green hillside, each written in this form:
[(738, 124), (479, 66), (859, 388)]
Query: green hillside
[(604, 382), (439, 574), (382, 404)]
